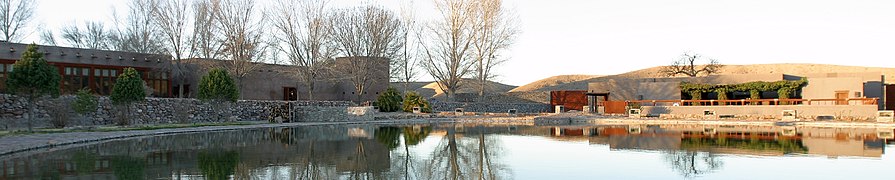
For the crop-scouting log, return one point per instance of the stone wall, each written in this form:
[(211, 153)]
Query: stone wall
[(14, 113), (804, 112), (491, 107)]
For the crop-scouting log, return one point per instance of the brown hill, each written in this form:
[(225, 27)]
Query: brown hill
[(550, 84), (552, 81), (431, 89)]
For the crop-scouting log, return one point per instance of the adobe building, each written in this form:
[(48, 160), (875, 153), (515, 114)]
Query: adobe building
[(819, 86), (98, 69)]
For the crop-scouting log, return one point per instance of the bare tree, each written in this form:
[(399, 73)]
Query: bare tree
[(93, 36), (686, 65), (496, 30), (15, 16), (305, 39), (405, 69), (691, 163), (243, 42), (136, 33), (171, 17), (204, 41), (448, 45), (365, 34), (47, 37)]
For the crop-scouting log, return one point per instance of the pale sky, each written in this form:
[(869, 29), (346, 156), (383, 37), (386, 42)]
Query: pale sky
[(603, 37)]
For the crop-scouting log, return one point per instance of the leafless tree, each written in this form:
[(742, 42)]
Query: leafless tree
[(365, 34), (171, 16), (136, 33), (691, 163), (15, 16), (304, 34), (204, 41), (447, 47), (240, 25), (496, 30), (47, 37), (93, 35), (405, 69), (686, 65)]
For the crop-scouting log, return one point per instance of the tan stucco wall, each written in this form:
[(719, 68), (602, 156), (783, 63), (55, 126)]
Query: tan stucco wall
[(825, 88), (803, 111)]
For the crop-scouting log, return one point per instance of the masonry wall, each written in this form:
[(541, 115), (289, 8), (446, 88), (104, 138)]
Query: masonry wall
[(491, 107), (805, 112), (14, 113)]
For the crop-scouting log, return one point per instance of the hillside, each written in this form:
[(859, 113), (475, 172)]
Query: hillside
[(555, 83), (430, 89)]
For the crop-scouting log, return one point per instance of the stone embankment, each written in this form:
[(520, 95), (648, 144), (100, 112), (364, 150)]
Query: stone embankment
[(14, 111)]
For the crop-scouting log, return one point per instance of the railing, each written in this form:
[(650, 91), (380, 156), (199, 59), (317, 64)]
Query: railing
[(756, 102)]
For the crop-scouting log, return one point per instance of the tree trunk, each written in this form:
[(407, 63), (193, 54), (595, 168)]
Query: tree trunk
[(31, 112)]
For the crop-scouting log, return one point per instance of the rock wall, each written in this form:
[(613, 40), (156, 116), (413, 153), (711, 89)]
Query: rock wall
[(491, 107), (14, 111)]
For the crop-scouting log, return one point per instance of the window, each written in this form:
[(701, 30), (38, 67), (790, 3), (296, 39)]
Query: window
[(159, 83), (75, 78), (104, 80)]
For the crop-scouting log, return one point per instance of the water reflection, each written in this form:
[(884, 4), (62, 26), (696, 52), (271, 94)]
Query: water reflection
[(424, 151)]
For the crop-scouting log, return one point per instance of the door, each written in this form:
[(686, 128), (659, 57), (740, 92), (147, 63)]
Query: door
[(290, 94), (841, 97)]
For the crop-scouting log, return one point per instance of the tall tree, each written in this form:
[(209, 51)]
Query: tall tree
[(404, 70), (305, 39), (686, 65), (171, 17), (128, 89), (495, 30), (94, 35), (243, 43), (205, 40), (15, 16), (448, 43), (32, 77), (366, 31), (218, 86), (136, 33)]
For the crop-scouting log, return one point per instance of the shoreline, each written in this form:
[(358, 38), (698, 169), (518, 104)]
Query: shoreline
[(20, 144)]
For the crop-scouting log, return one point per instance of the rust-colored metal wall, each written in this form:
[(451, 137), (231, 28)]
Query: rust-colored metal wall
[(614, 107), (890, 97), (572, 100)]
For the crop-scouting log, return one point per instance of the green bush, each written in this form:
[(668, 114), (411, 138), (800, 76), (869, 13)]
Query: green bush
[(128, 90), (389, 101), (32, 77), (85, 102), (785, 88), (412, 99), (218, 85)]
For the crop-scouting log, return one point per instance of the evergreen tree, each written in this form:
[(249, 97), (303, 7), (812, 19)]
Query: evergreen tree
[(128, 89), (32, 77), (85, 102), (412, 99), (218, 85), (389, 101)]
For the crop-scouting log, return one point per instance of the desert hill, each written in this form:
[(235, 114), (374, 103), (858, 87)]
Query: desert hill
[(431, 89), (558, 83)]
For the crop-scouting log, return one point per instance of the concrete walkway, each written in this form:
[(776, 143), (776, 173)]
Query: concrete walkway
[(21, 143)]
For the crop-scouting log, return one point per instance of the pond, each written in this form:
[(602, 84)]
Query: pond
[(475, 151)]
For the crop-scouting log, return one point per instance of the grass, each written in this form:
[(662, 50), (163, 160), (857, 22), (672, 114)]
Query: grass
[(119, 128)]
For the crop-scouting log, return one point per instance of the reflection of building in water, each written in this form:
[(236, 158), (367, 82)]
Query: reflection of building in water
[(165, 157), (752, 140)]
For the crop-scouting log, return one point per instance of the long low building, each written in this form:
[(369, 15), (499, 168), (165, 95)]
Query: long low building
[(98, 69)]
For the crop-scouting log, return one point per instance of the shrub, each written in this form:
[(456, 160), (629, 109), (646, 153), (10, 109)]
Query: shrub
[(59, 111), (412, 99), (85, 102), (33, 78), (128, 89), (218, 85), (389, 101)]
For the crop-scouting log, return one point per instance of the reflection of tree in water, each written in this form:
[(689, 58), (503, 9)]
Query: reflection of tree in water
[(388, 136), (84, 162), (126, 167), (693, 163), (414, 137), (218, 164), (458, 157)]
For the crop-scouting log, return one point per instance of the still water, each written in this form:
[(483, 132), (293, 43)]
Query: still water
[(476, 151)]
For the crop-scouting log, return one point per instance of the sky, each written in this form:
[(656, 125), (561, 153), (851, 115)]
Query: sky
[(604, 37)]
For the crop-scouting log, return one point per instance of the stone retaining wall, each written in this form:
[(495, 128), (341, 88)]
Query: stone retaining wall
[(491, 107), (14, 112), (804, 112)]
